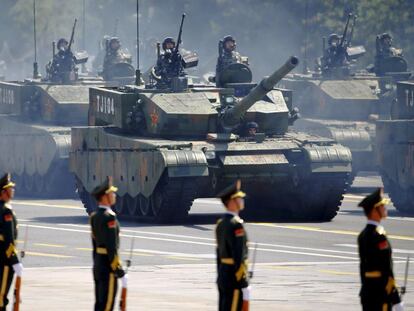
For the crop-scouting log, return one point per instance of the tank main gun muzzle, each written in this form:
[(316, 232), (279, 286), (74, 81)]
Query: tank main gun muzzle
[(232, 116)]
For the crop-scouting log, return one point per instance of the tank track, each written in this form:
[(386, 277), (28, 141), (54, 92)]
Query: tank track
[(316, 199), (403, 199), (170, 202)]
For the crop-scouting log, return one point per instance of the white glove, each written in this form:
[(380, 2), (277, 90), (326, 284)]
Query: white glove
[(18, 269), (246, 292), (398, 306), (124, 281)]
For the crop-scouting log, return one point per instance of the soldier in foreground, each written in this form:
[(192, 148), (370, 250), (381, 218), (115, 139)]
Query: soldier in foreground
[(9, 262), (378, 291), (232, 252), (105, 240), (228, 56)]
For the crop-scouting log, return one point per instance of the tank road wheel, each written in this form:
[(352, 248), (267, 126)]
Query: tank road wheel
[(319, 199), (119, 205), (28, 184), (88, 201), (130, 205), (39, 184), (403, 199), (172, 200), (144, 206)]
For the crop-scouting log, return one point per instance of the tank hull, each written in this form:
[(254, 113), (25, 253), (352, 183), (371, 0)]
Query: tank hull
[(35, 121), (158, 179), (343, 110), (395, 141)]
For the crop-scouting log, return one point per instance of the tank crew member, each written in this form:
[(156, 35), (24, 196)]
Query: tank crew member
[(384, 52), (335, 55), (114, 55), (169, 63), (378, 291), (63, 66), (232, 252), (228, 56), (251, 129), (105, 240), (9, 262)]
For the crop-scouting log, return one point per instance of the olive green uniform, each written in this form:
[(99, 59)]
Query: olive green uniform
[(378, 291), (8, 251), (232, 254), (107, 265)]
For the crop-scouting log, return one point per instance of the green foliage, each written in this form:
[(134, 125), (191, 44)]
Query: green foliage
[(266, 30)]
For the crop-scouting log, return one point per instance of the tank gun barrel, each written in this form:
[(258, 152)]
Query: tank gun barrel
[(233, 115)]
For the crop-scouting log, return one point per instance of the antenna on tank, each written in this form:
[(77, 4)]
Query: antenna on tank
[(35, 65), (305, 56), (84, 31), (137, 71)]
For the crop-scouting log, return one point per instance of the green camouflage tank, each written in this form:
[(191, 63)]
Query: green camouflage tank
[(166, 148)]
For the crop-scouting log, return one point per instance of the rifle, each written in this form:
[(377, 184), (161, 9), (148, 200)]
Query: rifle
[(72, 34), (246, 303), (404, 288), (18, 281), (179, 34), (345, 30), (123, 302), (352, 31)]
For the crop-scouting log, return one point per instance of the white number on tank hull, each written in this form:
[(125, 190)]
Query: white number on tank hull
[(7, 97), (105, 104)]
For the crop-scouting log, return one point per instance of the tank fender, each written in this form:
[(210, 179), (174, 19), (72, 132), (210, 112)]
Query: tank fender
[(185, 163), (356, 139), (329, 159)]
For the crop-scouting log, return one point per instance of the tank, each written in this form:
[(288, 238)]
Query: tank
[(164, 149), (35, 122), (395, 149), (344, 109)]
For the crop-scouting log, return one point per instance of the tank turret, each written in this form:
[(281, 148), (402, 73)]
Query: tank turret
[(196, 111), (231, 117)]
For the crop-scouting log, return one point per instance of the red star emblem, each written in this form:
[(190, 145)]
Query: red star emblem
[(154, 118)]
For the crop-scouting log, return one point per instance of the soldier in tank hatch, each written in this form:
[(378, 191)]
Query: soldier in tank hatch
[(228, 56), (169, 63), (379, 290), (232, 252)]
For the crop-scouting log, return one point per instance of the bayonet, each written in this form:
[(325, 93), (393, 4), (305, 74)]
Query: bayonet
[(404, 287), (251, 272)]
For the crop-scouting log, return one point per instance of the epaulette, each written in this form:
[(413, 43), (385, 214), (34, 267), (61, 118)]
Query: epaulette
[(219, 221), (237, 219), (110, 212), (92, 214), (380, 230), (8, 206)]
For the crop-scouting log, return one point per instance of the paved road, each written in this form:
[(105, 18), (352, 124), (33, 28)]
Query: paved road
[(300, 266)]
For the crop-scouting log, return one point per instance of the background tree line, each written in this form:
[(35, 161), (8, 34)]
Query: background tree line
[(266, 30)]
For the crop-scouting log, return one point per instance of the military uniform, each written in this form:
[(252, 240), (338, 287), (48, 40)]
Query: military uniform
[(232, 254), (227, 58), (8, 251), (107, 265), (62, 68), (113, 57), (169, 65), (378, 291)]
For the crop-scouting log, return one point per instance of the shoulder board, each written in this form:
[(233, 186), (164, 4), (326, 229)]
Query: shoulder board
[(380, 230), (92, 214), (219, 221), (237, 219), (110, 212), (8, 206)]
